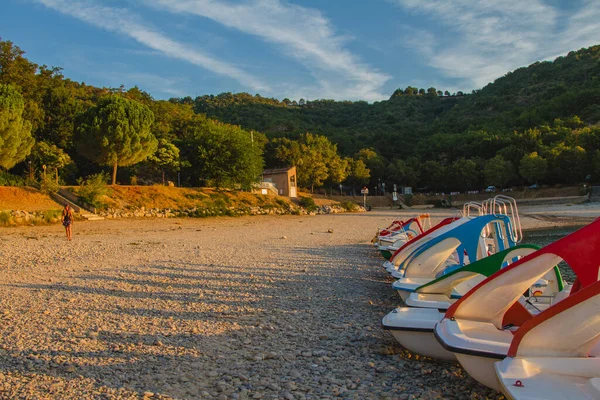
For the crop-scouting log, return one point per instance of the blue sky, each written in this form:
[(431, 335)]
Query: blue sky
[(312, 49)]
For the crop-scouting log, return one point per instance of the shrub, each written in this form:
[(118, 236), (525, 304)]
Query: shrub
[(93, 188), (5, 218), (50, 186), (308, 203), (349, 206), (7, 179), (52, 216)]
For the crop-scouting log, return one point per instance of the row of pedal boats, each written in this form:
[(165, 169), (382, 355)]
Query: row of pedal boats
[(473, 293)]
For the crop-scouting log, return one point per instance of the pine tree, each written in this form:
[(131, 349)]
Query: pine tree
[(116, 133), (15, 132)]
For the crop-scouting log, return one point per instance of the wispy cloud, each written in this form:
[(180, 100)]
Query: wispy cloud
[(303, 34), (122, 21), (481, 40)]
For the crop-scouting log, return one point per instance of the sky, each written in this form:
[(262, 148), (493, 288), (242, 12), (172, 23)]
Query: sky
[(310, 49)]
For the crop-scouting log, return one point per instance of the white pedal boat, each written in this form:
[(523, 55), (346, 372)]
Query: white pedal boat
[(479, 327), (413, 326), (557, 354), (410, 228)]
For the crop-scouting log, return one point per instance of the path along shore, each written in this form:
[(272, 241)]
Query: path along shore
[(285, 307)]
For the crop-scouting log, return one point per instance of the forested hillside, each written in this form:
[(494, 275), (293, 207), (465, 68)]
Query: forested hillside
[(538, 124)]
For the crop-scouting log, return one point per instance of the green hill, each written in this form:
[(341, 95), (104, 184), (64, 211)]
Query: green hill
[(522, 99)]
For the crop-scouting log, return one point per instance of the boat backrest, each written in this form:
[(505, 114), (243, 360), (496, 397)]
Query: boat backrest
[(490, 300), (486, 267), (570, 328)]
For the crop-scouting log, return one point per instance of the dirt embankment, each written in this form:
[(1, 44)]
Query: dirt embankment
[(25, 199)]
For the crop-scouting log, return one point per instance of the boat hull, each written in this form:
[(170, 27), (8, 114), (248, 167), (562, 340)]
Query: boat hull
[(423, 343), (481, 369)]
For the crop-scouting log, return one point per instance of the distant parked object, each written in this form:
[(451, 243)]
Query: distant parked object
[(490, 189), (507, 190), (534, 186)]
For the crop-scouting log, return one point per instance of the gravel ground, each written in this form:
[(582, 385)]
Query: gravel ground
[(282, 307)]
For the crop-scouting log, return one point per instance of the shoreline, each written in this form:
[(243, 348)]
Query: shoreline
[(532, 217)]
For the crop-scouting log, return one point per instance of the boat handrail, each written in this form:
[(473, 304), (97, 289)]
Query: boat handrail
[(472, 205), (506, 205)]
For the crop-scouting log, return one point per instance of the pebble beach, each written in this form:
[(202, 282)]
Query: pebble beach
[(273, 307)]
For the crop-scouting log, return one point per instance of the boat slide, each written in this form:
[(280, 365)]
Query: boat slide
[(390, 266), (413, 326), (556, 354), (403, 252), (479, 327)]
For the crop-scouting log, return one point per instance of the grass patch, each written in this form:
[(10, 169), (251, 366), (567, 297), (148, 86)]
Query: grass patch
[(5, 218), (349, 206)]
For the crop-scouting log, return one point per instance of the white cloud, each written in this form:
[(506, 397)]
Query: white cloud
[(123, 22), (481, 40), (302, 33)]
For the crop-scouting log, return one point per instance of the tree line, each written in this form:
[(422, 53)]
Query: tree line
[(520, 129), (50, 125)]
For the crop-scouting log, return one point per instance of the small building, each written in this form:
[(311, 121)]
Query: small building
[(284, 179)]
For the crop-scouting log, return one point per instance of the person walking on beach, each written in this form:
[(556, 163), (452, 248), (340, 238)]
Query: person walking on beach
[(67, 220)]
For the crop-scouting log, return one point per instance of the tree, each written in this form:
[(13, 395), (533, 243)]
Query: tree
[(116, 132), (315, 157), (402, 172), (15, 133), (358, 174), (533, 168), (498, 171), (166, 157), (220, 154), (338, 169), (567, 163), (51, 156), (374, 162), (464, 173), (432, 174)]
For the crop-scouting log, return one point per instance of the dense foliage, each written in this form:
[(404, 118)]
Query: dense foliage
[(537, 124), (15, 131)]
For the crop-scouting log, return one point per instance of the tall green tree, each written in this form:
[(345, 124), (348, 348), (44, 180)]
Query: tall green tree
[(220, 154), (498, 171), (48, 155), (464, 174), (166, 157), (533, 168), (315, 157), (116, 133), (358, 174), (15, 132)]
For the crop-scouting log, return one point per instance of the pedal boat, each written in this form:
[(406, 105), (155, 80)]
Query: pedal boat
[(479, 327), (470, 241), (556, 355)]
